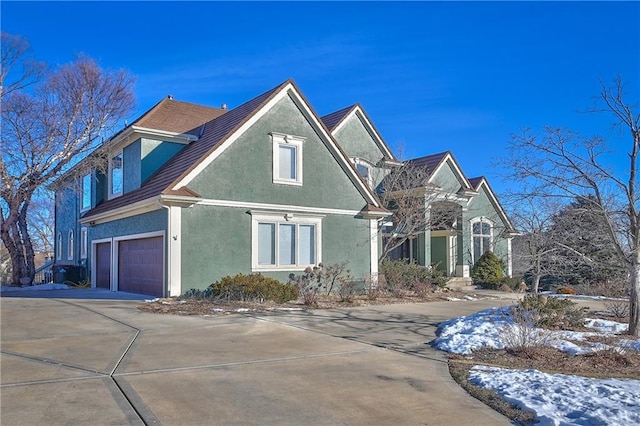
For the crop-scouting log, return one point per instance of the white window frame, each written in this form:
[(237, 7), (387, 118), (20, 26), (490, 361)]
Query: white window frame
[(110, 178), (278, 140), (284, 219), (86, 190), (84, 242), (370, 167), (70, 246), (474, 235), (59, 247)]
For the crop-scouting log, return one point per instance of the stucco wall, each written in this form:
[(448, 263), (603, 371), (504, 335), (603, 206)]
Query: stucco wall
[(142, 223), (216, 242), (154, 153), (244, 172), (447, 179), (131, 167), (66, 218), (356, 141)]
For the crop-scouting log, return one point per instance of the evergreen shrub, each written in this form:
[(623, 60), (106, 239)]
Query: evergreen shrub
[(253, 287), (488, 269)]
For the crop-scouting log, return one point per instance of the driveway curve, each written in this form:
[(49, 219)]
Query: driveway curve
[(103, 362)]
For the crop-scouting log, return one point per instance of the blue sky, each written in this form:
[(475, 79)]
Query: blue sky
[(433, 76)]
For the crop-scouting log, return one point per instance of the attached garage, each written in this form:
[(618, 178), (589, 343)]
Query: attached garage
[(140, 266)]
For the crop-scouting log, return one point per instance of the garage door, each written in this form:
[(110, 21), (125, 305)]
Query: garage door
[(140, 266), (103, 265)]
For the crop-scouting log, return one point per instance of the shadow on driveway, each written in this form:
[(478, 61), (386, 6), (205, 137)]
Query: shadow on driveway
[(75, 293)]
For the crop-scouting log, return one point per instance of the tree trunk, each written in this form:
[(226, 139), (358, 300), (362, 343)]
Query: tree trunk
[(634, 296), (536, 283), (15, 236), (29, 269)]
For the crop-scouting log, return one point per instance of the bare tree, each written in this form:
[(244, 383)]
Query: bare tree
[(534, 249), (416, 204), (50, 120), (560, 163)]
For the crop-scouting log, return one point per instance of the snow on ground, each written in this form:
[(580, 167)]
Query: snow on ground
[(6, 288), (559, 399), (556, 399)]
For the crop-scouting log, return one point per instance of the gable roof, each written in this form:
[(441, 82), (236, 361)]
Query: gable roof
[(337, 119), (176, 119), (332, 120), (177, 116), (172, 177), (481, 181), (435, 162)]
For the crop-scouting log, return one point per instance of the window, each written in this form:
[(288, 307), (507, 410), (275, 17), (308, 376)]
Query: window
[(59, 247), (85, 203), (364, 169), (287, 159), (84, 239), (115, 175), (70, 248), (285, 242), (482, 237)]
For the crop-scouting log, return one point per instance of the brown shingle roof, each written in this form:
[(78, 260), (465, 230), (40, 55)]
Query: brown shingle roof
[(333, 119), (475, 182), (215, 131), (431, 162), (177, 116)]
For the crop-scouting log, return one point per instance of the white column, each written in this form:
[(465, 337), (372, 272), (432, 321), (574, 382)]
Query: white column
[(373, 229), (174, 247), (509, 258)]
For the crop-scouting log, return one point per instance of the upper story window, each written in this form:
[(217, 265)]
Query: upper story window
[(115, 175), (482, 237), (284, 242), (287, 159), (85, 202), (364, 169)]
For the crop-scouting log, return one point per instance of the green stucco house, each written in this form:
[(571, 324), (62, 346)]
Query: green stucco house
[(193, 193)]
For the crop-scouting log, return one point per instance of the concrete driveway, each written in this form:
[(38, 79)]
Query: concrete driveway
[(72, 361)]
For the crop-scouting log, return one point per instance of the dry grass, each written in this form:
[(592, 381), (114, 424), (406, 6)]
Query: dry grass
[(192, 306)]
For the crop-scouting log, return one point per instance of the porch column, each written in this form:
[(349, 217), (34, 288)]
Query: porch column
[(373, 232), (174, 250)]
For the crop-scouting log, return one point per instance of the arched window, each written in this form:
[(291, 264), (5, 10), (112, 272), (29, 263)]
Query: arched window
[(70, 253), (59, 247), (481, 237)]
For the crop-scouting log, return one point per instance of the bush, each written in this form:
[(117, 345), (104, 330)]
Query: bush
[(549, 312), (253, 287), (323, 280), (506, 284), (488, 269), (403, 276), (196, 293)]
